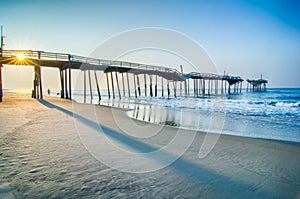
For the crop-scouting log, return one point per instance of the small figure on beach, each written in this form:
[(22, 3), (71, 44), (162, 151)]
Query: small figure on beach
[(48, 91)]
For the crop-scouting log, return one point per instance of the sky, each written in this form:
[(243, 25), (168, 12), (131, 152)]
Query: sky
[(245, 38)]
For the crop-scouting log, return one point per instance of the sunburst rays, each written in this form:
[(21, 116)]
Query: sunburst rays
[(20, 58)]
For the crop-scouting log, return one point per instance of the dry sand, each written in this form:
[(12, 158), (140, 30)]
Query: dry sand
[(42, 156)]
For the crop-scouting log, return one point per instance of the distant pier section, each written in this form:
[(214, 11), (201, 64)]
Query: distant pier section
[(257, 85)]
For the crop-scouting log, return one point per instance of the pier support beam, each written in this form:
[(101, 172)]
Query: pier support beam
[(188, 87), (247, 87), (151, 92), (145, 81), (156, 86), (97, 84), (62, 91), (107, 82), (118, 86), (241, 86), (203, 90), (112, 85), (40, 77), (70, 77), (138, 84), (90, 83), (37, 87), (216, 87), (185, 87), (1, 88), (128, 85), (37, 82), (222, 91), (180, 89), (66, 84), (175, 87), (40, 83), (123, 85), (200, 86), (162, 86), (168, 87), (195, 87), (208, 92), (134, 82), (84, 86)]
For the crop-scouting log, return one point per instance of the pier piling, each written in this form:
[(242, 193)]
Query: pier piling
[(151, 92), (97, 84), (128, 84), (107, 83), (155, 86), (175, 87), (145, 82), (66, 84), (84, 86), (118, 86), (70, 76), (112, 85), (162, 86), (1, 88), (168, 87), (90, 84), (124, 91), (134, 85), (138, 84)]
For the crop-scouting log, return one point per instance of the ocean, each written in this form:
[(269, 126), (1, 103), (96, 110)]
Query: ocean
[(274, 114)]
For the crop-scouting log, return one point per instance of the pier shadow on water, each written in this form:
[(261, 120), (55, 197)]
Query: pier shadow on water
[(225, 186)]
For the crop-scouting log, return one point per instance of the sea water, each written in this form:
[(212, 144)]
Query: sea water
[(274, 114)]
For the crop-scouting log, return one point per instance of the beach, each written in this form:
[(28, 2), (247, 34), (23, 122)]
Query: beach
[(44, 156)]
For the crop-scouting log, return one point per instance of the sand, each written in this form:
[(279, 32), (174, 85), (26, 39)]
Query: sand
[(49, 149)]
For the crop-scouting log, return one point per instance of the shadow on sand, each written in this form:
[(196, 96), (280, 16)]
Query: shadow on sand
[(225, 186)]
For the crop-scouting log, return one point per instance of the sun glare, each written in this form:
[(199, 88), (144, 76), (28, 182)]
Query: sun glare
[(20, 57)]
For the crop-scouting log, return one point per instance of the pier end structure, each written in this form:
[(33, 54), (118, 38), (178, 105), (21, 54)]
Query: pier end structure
[(257, 85)]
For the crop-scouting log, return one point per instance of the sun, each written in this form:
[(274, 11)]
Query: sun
[(20, 57)]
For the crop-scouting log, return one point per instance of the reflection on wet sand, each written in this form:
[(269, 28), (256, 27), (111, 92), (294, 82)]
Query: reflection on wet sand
[(170, 116), (153, 114)]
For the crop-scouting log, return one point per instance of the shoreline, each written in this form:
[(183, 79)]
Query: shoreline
[(200, 131), (43, 156)]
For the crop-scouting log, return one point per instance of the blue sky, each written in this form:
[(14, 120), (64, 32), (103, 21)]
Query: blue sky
[(246, 38)]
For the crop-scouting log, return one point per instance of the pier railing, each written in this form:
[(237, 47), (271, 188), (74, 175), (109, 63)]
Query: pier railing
[(211, 76), (84, 60), (113, 63)]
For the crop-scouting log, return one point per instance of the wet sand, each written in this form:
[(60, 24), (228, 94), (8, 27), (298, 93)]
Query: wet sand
[(42, 155)]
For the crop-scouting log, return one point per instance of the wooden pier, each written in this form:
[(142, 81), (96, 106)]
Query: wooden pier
[(123, 79)]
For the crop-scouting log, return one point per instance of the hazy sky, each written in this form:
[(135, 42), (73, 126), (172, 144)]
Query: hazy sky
[(246, 38)]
